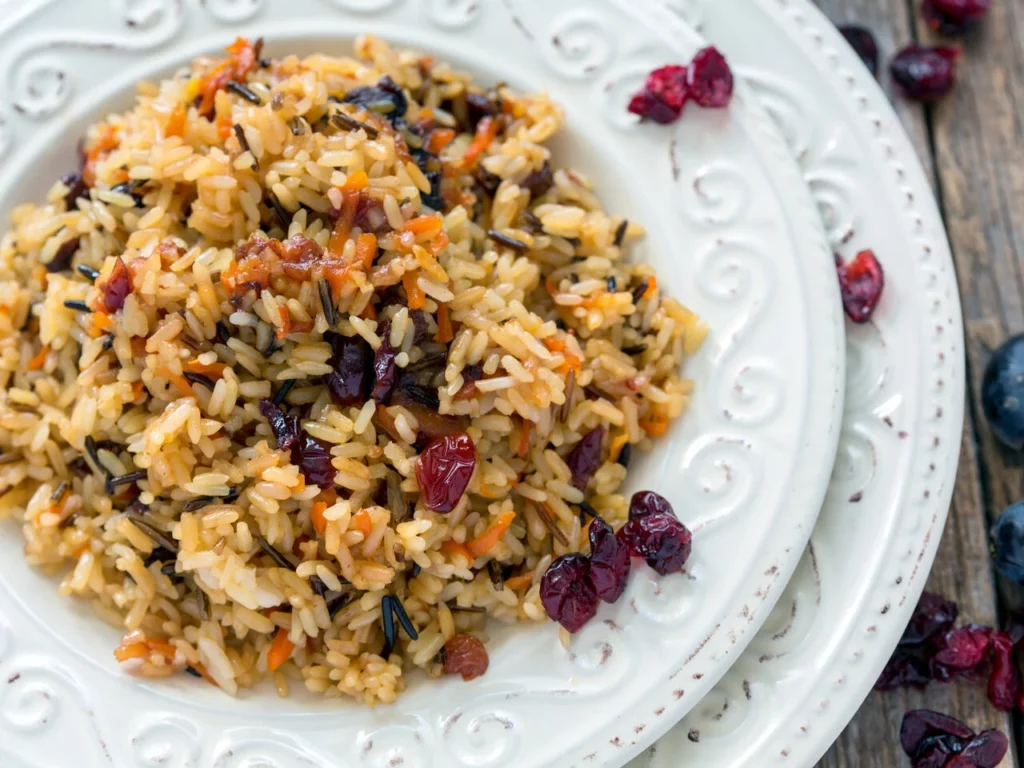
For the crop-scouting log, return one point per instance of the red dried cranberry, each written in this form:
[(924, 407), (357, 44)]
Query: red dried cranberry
[(863, 44), (539, 182), (1004, 683), (923, 73), (585, 457), (921, 724), (77, 189), (313, 458), (444, 470), (567, 592), (961, 652), (465, 655), (860, 283), (953, 17), (905, 669), (663, 96), (933, 615), (609, 561), (284, 426), (709, 79), (349, 382), (660, 539), (385, 371), (115, 289), (646, 503), (987, 749)]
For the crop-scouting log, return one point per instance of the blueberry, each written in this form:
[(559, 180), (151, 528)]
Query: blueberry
[(1002, 392), (1007, 542)]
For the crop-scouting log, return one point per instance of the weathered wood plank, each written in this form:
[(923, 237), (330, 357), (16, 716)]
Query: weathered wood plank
[(978, 172)]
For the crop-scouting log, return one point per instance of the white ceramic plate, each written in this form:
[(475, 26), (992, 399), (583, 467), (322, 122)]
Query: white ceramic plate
[(804, 676), (734, 234)]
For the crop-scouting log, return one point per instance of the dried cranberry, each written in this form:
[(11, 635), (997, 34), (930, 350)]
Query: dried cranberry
[(585, 457), (932, 615), (863, 44), (313, 458), (419, 324), (1004, 683), (284, 426), (386, 97), (646, 503), (987, 749), (953, 17), (115, 289), (609, 561), (539, 182), (923, 73), (905, 669), (77, 189), (660, 539), (349, 382), (61, 260), (860, 283), (385, 370), (921, 724), (465, 655), (567, 592), (663, 96), (960, 653), (709, 79), (444, 470)]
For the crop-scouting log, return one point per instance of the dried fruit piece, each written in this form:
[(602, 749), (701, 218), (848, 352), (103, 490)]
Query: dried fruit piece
[(115, 288), (646, 503), (660, 539), (313, 458), (284, 426), (385, 98), (1004, 683), (385, 370), (961, 652), (444, 469), (585, 457), (987, 749), (709, 79), (923, 73), (1002, 393), (933, 615), (864, 45), (465, 655), (609, 561), (567, 592), (953, 17), (663, 96), (349, 382), (861, 281)]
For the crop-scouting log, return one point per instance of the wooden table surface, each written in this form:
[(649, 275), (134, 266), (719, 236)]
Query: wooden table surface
[(972, 144)]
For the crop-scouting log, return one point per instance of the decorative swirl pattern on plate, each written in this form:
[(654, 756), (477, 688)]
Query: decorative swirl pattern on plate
[(720, 474), (268, 748), (232, 11), (454, 14), (578, 44), (365, 6), (395, 745), (483, 736), (719, 195), (166, 741)]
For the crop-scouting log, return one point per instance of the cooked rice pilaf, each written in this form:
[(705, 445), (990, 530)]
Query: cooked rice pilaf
[(244, 232)]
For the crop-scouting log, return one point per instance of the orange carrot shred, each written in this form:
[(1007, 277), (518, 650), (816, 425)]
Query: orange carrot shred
[(451, 548), (421, 225), (366, 249), (343, 226), (415, 298), (444, 325), (524, 439), (280, 649), (37, 362), (652, 286), (439, 139), (487, 540), (356, 181), (362, 522), (486, 130), (654, 428), (523, 581), (316, 516), (179, 381), (176, 122), (211, 369)]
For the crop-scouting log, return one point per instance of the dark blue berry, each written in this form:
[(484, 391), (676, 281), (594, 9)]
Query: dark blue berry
[(1007, 541), (1002, 392)]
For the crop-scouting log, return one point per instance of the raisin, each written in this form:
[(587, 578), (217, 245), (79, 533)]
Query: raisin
[(313, 458), (349, 382), (585, 457), (465, 655), (385, 370), (284, 427), (567, 592), (444, 469), (77, 189)]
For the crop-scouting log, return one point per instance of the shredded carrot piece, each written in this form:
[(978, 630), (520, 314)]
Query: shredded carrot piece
[(176, 122), (211, 369), (439, 243), (280, 649), (555, 345), (652, 286), (343, 226), (362, 522), (486, 130), (105, 141), (523, 581), (235, 67), (487, 540), (369, 311), (366, 249), (37, 362), (316, 516), (654, 428), (422, 225), (101, 321), (137, 389), (451, 548), (616, 446), (415, 298), (439, 139), (134, 651), (224, 125), (286, 322), (444, 325), (524, 439), (356, 181), (179, 381)]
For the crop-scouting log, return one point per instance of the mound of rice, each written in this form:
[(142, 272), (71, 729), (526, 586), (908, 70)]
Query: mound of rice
[(215, 238)]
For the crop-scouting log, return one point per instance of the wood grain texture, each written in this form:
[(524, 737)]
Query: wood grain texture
[(973, 145)]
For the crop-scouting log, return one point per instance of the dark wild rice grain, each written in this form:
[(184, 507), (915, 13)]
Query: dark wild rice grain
[(118, 480), (343, 121), (240, 90), (636, 349), (282, 393), (639, 291), (88, 272), (620, 232), (387, 616), (625, 454), (198, 378), (275, 554), (65, 253), (403, 618), (78, 306), (509, 242)]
